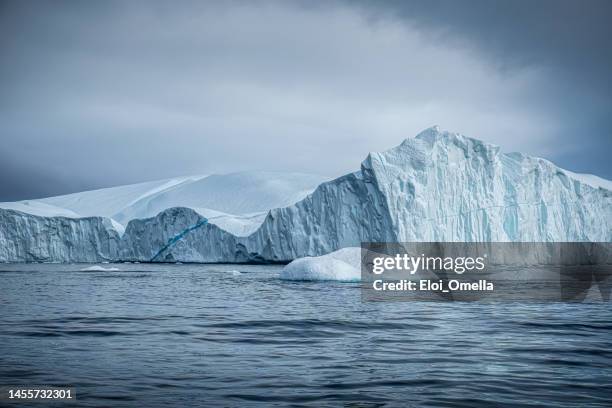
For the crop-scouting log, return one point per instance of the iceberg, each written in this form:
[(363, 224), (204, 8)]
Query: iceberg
[(343, 265), (98, 268), (437, 186)]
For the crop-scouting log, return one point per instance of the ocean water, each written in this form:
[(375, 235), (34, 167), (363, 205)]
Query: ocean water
[(236, 335)]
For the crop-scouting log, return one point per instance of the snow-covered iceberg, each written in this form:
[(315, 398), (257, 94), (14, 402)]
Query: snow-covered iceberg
[(237, 202), (438, 186), (342, 265)]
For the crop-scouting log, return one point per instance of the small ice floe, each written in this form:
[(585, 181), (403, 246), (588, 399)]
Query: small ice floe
[(98, 268), (343, 265)]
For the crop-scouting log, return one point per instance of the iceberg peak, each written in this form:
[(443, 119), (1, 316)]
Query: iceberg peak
[(434, 135), (429, 133)]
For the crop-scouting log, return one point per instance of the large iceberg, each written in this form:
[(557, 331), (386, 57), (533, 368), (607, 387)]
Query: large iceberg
[(438, 186)]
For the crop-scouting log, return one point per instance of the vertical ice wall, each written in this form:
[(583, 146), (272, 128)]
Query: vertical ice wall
[(30, 238)]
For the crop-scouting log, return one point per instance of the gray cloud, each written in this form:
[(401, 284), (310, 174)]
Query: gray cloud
[(99, 94)]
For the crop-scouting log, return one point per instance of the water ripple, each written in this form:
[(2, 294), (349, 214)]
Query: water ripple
[(164, 335)]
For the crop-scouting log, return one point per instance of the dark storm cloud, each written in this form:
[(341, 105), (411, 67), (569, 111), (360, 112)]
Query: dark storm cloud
[(572, 36), (104, 93)]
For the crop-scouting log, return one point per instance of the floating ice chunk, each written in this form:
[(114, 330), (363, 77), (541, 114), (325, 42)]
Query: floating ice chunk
[(98, 268), (342, 265)]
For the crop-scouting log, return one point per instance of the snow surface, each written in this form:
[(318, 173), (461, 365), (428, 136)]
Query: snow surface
[(239, 225), (236, 202), (39, 208), (111, 202), (592, 180), (343, 265)]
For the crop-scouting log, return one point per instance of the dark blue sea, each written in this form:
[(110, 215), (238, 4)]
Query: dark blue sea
[(234, 335)]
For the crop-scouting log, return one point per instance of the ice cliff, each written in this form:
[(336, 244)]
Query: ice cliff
[(438, 186), (31, 238), (179, 234)]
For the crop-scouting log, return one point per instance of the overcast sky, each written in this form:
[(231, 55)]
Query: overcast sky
[(96, 94)]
